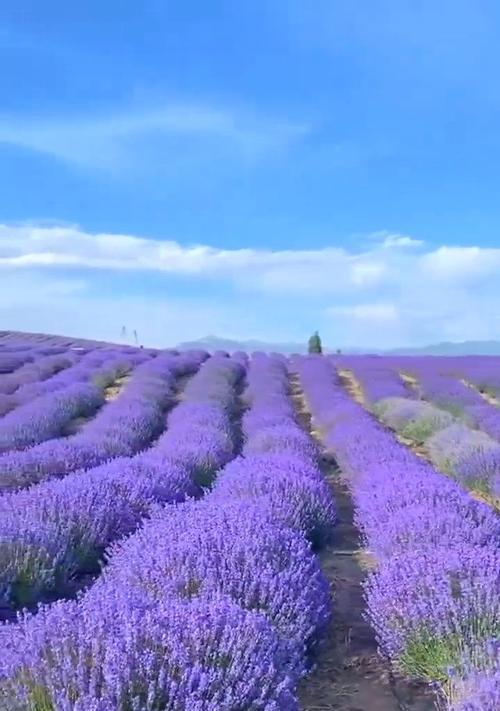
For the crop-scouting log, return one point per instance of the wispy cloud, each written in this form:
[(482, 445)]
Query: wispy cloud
[(107, 141)]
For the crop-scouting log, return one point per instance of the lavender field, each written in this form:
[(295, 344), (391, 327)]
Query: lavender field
[(182, 531)]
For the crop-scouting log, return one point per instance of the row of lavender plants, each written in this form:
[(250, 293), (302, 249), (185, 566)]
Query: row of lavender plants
[(55, 532), (11, 360), (376, 376), (47, 416), (82, 368), (434, 597), (121, 427), (481, 372), (448, 392), (453, 445), (212, 605), (31, 372)]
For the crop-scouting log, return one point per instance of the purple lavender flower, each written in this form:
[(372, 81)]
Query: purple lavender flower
[(120, 653), (428, 607)]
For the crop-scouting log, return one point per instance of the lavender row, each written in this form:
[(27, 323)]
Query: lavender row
[(450, 393), (416, 420), (31, 372), (210, 606), (11, 360), (453, 445), (47, 417), (82, 369), (23, 358), (377, 377), (122, 427), (434, 599), (469, 455), (57, 531), (483, 373)]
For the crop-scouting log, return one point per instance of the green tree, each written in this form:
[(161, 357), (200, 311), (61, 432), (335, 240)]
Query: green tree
[(314, 345)]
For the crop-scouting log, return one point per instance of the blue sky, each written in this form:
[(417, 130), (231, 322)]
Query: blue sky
[(330, 164)]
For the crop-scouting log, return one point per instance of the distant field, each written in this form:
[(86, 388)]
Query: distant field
[(182, 531)]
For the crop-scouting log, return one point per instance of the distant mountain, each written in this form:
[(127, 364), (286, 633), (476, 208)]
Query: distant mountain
[(491, 348), (214, 343)]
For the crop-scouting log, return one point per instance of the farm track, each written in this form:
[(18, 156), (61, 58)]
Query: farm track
[(352, 385), (348, 674)]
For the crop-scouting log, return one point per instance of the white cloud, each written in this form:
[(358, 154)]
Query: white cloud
[(329, 269), (367, 272), (390, 241), (461, 263), (384, 295)]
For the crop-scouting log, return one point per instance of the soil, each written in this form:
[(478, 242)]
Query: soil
[(347, 673), (352, 386), (113, 390), (409, 380), (417, 449), (110, 393), (488, 397)]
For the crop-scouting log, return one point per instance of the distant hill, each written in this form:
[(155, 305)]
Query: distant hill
[(214, 343), (491, 348)]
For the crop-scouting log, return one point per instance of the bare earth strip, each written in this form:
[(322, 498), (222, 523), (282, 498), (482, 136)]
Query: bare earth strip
[(409, 380), (110, 393), (113, 390), (488, 397), (348, 673), (352, 386)]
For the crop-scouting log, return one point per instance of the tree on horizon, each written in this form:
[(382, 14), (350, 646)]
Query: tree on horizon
[(314, 345)]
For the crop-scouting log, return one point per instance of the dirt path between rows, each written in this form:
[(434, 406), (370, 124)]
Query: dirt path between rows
[(352, 385), (348, 674), (113, 390), (487, 397)]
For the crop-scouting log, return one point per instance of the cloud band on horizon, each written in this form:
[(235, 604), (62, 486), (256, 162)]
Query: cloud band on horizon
[(393, 289)]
